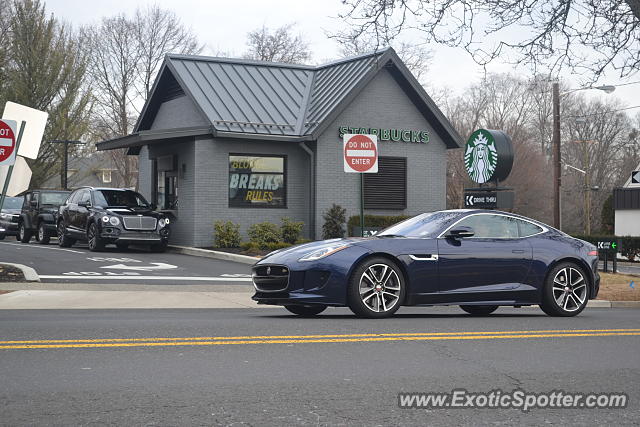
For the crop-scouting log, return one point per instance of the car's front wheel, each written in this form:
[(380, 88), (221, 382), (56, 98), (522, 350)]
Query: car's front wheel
[(479, 310), (376, 289), (95, 242), (24, 235), (64, 241), (306, 310), (43, 235), (566, 291)]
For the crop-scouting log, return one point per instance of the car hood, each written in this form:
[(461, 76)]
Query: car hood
[(298, 251), (127, 211), (11, 211)]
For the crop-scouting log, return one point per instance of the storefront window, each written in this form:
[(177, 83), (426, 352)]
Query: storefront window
[(257, 181)]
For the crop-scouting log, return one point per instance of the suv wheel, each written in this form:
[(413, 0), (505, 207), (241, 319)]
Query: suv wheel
[(96, 244), (24, 235), (64, 241), (43, 236)]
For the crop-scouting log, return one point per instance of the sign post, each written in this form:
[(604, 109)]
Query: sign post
[(7, 133), (360, 156), (609, 247)]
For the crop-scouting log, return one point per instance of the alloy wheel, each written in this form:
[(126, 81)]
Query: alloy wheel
[(60, 231), (92, 236), (380, 288), (40, 233), (569, 289)]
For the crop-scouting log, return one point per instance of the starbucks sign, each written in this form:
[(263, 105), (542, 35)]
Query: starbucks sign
[(488, 156)]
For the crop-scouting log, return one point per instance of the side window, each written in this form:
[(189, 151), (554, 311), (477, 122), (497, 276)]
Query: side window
[(492, 226), (528, 229), (73, 198), (26, 201), (35, 197), (84, 197)]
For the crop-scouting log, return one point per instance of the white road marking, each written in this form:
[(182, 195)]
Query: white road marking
[(23, 245), (103, 259), (178, 278), (154, 266)]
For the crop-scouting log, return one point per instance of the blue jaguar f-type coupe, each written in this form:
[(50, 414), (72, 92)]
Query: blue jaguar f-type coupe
[(476, 259)]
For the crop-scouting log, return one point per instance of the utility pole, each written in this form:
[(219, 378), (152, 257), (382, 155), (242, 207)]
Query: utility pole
[(556, 155), (65, 160)]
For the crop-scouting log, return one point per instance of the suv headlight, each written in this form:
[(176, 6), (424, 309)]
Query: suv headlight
[(105, 219), (323, 252), (114, 221), (4, 215), (163, 222)]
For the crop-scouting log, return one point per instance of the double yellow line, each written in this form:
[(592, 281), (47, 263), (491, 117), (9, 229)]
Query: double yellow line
[(303, 339)]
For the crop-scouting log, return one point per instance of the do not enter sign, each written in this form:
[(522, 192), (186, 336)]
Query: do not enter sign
[(7, 142), (360, 153)]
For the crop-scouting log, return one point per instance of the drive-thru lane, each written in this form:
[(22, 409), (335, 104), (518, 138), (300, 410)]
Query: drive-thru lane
[(78, 264)]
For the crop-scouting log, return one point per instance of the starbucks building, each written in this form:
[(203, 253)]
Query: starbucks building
[(247, 141)]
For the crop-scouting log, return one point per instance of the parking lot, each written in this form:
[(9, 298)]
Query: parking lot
[(112, 266)]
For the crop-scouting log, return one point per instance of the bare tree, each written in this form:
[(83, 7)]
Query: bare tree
[(159, 31), (279, 45), (586, 36), (127, 54)]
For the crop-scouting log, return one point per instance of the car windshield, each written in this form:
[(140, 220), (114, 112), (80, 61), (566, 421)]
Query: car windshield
[(12, 203), (425, 225), (55, 199), (119, 198)]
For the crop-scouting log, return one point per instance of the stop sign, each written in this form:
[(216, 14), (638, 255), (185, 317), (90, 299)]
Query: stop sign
[(360, 153), (7, 142)]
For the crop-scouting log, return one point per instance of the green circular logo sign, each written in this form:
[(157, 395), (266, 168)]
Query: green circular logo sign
[(481, 156)]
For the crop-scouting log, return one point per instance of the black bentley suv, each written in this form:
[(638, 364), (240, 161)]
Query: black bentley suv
[(102, 216)]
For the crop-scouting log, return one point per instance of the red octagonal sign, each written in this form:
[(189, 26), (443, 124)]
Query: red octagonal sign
[(360, 153), (7, 142)]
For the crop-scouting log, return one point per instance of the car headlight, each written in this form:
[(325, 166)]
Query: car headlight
[(105, 219), (163, 222), (323, 252), (114, 221), (4, 215)]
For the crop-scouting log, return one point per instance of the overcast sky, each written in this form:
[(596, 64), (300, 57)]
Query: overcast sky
[(223, 24)]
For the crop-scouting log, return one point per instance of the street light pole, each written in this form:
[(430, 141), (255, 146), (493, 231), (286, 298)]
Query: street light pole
[(65, 161), (556, 155)]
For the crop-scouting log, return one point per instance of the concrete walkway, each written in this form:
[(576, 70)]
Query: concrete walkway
[(57, 299)]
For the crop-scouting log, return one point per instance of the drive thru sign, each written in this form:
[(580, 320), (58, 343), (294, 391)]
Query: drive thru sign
[(7, 142), (360, 153)]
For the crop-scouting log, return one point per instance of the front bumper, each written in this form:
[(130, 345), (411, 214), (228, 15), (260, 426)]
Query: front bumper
[(319, 282), (118, 235), (8, 228)]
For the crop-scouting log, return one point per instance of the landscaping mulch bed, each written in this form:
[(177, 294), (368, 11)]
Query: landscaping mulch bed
[(10, 274), (240, 251), (616, 287)]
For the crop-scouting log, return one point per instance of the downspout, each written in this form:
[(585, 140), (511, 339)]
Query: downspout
[(312, 192)]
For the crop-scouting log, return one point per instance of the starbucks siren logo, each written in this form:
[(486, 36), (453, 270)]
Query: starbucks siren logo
[(480, 156)]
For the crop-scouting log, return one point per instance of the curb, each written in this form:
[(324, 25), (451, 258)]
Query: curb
[(206, 253), (29, 273)]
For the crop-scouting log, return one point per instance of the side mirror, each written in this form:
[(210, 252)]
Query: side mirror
[(84, 204), (461, 232)]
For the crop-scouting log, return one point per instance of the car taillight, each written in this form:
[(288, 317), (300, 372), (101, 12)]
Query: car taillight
[(593, 253)]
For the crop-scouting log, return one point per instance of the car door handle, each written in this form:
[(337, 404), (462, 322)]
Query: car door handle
[(424, 257), (518, 251)]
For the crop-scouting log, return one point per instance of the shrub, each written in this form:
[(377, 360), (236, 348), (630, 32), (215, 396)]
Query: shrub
[(227, 234), (379, 221), (290, 230), (274, 246), (264, 233), (334, 219), (250, 248)]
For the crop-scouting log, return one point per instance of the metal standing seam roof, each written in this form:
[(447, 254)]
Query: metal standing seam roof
[(282, 100)]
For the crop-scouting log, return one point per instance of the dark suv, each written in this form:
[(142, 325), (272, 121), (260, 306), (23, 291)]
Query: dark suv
[(39, 210), (9, 216), (101, 216)]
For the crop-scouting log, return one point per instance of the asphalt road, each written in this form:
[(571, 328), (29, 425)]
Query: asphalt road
[(113, 266), (224, 367)]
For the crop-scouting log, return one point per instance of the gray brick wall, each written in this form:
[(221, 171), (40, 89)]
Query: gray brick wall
[(211, 203), (382, 104)]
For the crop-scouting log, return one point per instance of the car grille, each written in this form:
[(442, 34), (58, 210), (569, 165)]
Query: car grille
[(139, 222), (270, 278)]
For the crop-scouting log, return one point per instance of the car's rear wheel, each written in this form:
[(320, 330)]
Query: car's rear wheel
[(376, 289), (306, 310), (43, 235), (95, 242), (64, 241), (566, 291), (24, 235), (479, 310)]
